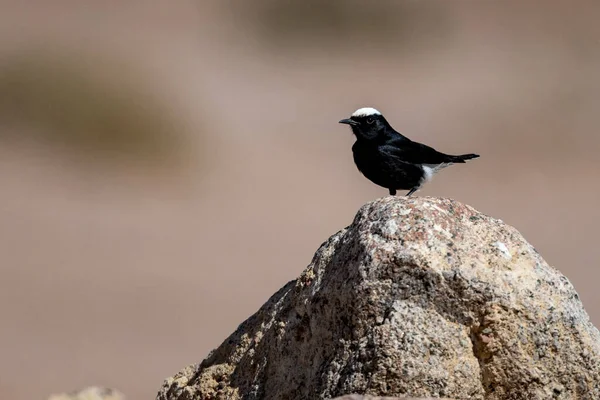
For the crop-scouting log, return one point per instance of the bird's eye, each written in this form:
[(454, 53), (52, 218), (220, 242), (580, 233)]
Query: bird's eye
[(370, 121)]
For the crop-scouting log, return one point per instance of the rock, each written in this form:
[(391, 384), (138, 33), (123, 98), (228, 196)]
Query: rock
[(367, 397), (418, 297), (90, 393)]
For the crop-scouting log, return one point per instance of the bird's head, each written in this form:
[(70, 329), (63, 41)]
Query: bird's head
[(366, 123)]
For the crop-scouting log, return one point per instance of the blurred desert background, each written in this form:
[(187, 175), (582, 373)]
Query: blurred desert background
[(166, 166)]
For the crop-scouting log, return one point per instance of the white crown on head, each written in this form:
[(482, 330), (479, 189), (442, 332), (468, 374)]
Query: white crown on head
[(365, 111)]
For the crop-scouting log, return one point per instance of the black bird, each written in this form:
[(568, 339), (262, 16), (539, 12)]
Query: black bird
[(389, 159)]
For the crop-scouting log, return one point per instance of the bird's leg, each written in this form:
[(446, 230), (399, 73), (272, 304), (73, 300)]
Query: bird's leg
[(392, 192), (411, 191)]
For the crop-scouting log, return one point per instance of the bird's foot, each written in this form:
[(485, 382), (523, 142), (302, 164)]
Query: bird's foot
[(411, 192)]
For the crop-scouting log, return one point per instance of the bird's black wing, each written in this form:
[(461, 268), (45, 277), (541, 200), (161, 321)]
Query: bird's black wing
[(414, 153), (394, 172)]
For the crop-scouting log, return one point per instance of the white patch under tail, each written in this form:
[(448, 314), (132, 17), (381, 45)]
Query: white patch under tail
[(431, 169)]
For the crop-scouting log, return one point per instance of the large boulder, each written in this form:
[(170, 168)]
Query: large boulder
[(367, 397), (418, 297)]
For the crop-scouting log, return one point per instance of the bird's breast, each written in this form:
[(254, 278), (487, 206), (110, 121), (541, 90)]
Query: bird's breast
[(364, 156), (369, 160)]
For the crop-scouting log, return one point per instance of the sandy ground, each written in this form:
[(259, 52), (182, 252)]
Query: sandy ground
[(118, 278)]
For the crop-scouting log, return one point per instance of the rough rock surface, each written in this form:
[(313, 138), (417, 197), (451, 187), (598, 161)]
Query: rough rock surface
[(367, 397), (90, 393), (418, 297)]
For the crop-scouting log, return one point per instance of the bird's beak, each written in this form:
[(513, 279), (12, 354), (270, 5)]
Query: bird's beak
[(348, 122)]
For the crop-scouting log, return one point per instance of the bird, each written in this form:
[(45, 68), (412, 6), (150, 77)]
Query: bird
[(391, 160)]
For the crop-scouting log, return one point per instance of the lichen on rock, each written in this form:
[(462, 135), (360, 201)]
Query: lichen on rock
[(419, 297)]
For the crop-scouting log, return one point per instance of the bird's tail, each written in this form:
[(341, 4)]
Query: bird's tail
[(463, 158)]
